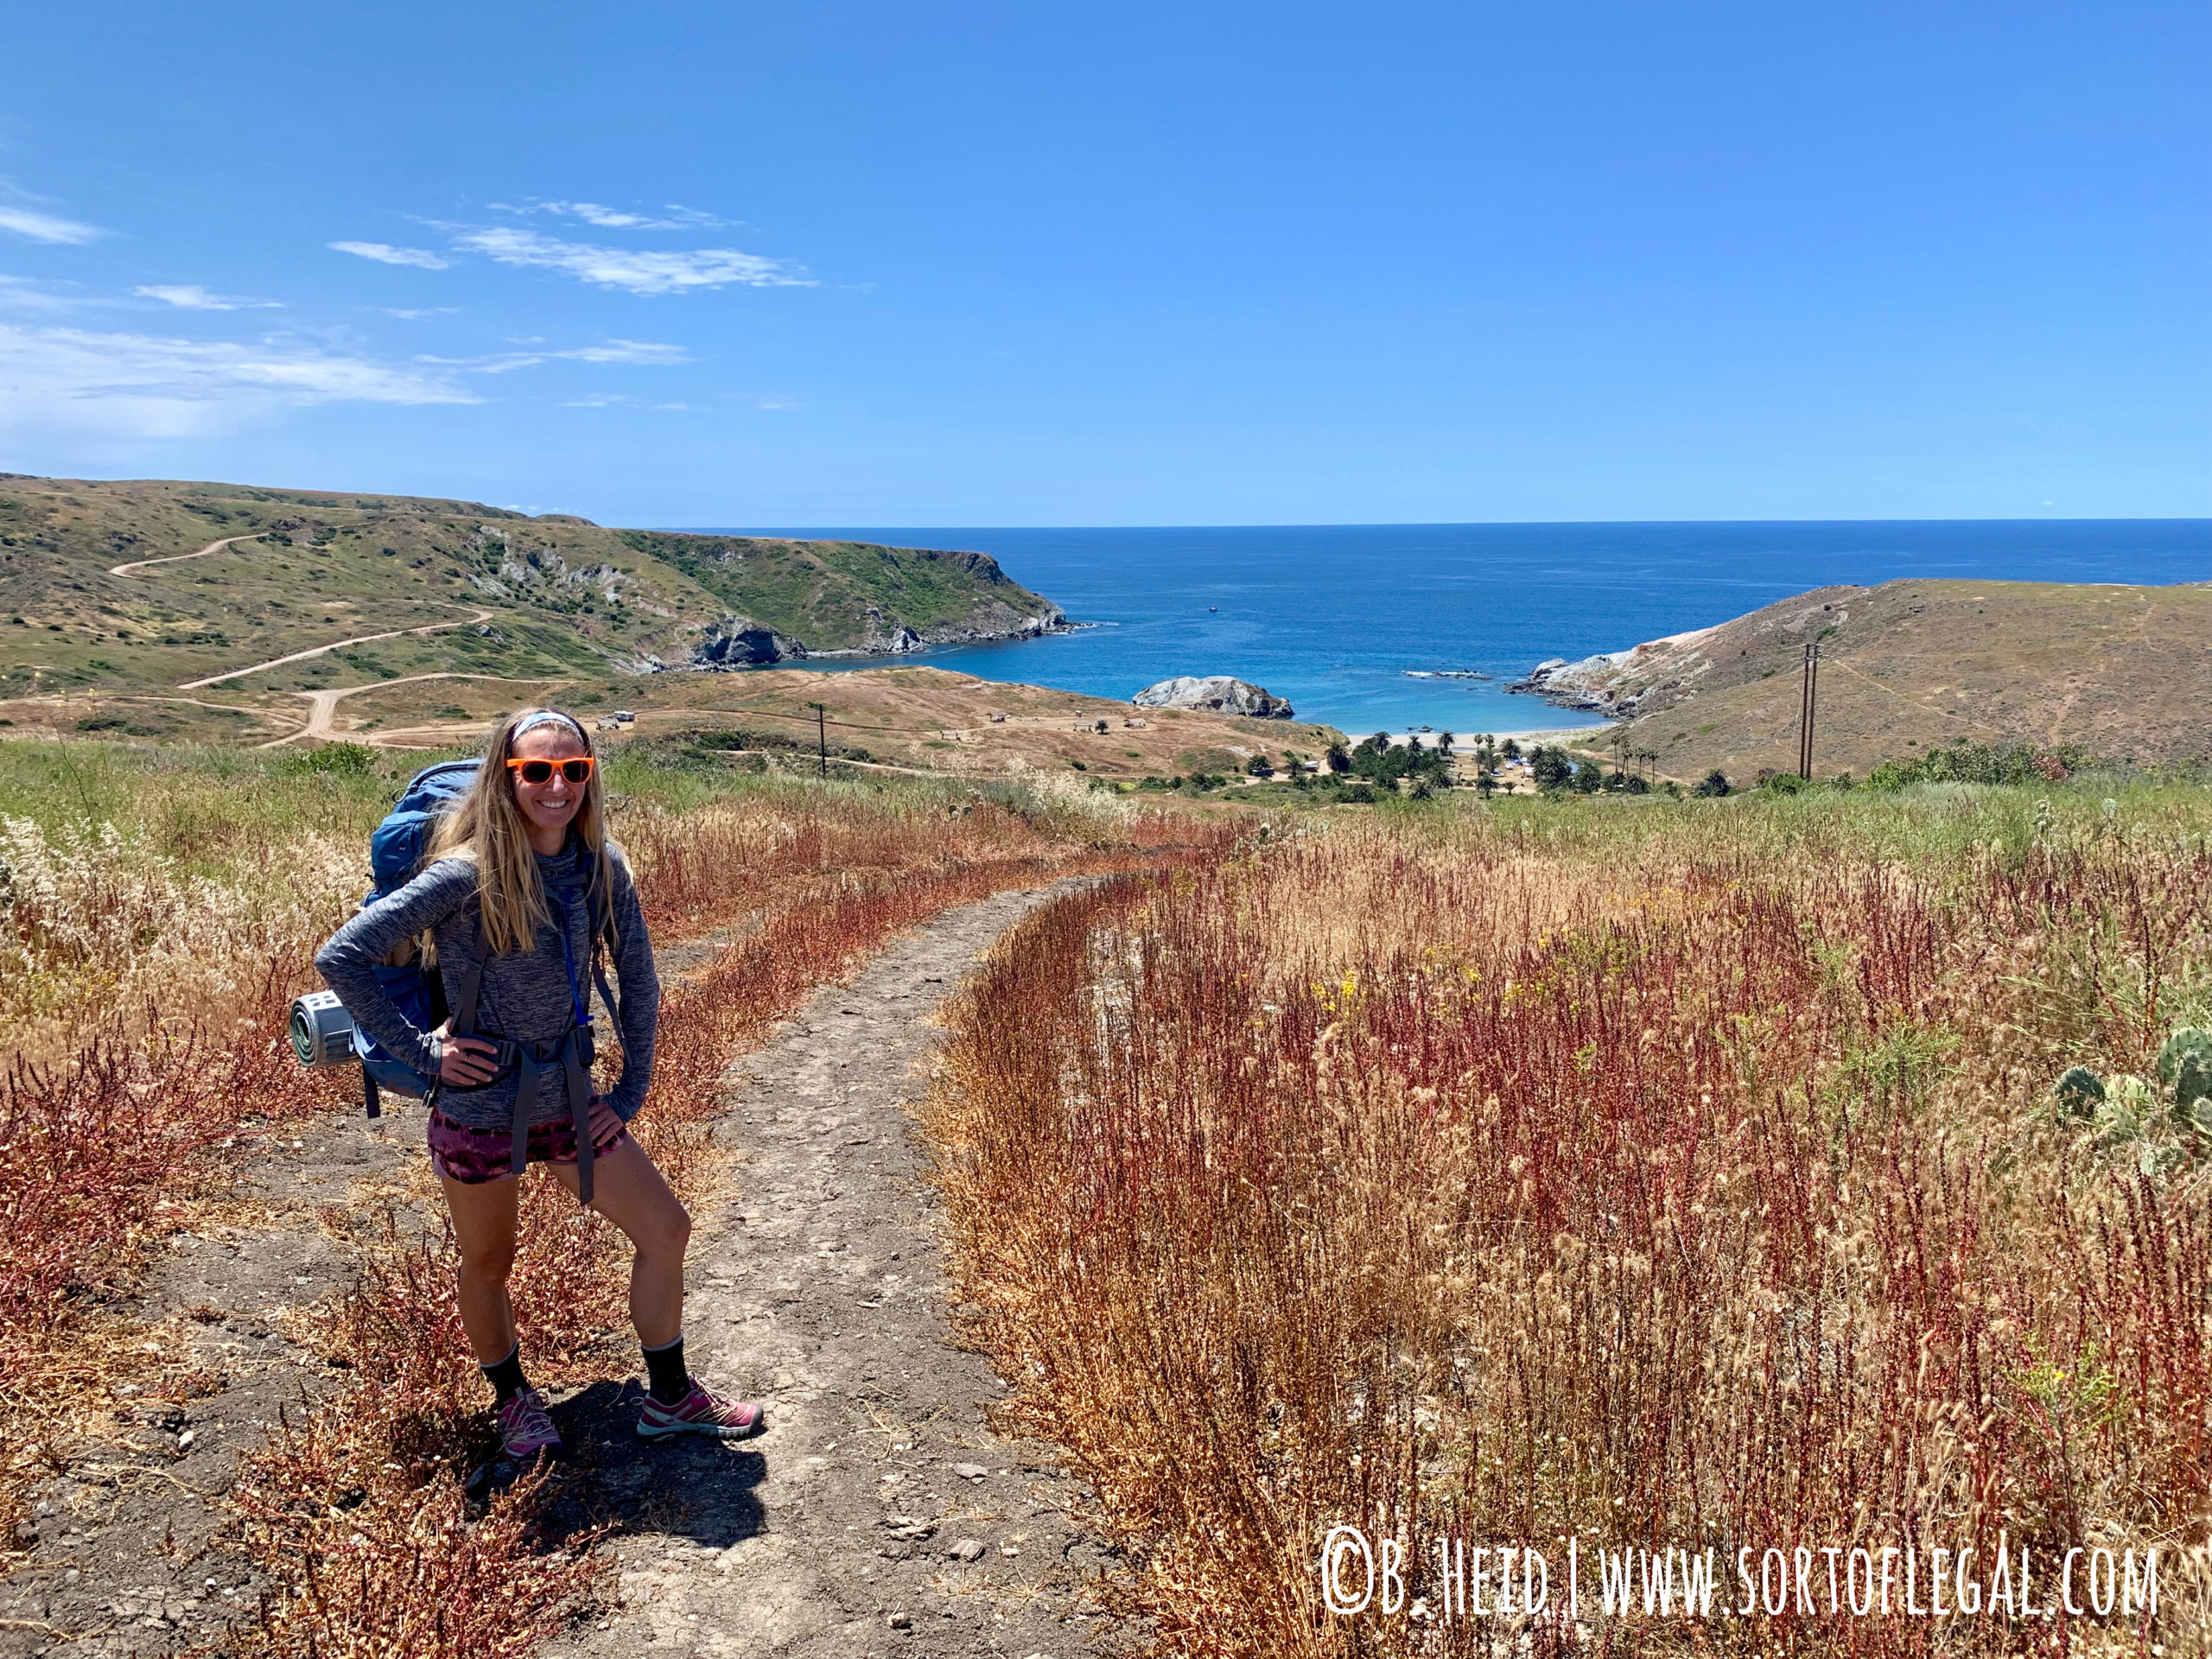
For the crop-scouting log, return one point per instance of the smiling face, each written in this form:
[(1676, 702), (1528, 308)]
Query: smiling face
[(551, 806)]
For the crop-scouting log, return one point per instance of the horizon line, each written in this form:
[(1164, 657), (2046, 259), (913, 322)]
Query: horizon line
[(1438, 523)]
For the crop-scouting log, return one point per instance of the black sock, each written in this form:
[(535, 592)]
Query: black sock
[(506, 1375), (665, 1373)]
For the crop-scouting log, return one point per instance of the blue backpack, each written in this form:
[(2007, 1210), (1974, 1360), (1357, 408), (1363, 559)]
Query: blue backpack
[(396, 853)]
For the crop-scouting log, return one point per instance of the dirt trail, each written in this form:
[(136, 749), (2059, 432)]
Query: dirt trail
[(322, 707), (878, 1514), (335, 645), (815, 1285), (179, 558)]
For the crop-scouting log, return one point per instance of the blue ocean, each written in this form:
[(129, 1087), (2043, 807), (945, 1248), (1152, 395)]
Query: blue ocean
[(1343, 619)]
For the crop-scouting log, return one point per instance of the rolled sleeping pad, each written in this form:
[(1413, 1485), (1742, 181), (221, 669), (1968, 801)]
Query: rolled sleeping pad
[(321, 1030), (322, 1034)]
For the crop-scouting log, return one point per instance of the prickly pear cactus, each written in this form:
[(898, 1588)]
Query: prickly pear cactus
[(2128, 1103), (2184, 1065), (2156, 1158), (2079, 1091)]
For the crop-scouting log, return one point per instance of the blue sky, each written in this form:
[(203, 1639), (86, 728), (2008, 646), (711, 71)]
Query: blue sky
[(926, 263)]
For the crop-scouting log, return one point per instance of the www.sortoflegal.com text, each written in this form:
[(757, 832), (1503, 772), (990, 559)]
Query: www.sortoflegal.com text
[(1450, 1579)]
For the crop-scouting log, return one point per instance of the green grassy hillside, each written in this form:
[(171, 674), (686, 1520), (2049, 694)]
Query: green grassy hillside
[(457, 587)]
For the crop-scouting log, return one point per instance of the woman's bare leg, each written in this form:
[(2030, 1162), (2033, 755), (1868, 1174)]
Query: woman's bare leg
[(484, 1227), (629, 1192)]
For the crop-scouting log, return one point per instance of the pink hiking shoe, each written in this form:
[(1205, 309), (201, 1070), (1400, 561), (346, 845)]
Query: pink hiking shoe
[(524, 1429), (703, 1411)]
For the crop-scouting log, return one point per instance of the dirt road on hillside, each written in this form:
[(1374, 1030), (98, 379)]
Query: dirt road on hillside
[(877, 1516), (179, 558), (335, 645), (320, 725)]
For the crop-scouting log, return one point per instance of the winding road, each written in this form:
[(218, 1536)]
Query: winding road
[(335, 645), (322, 709), (179, 558), (322, 712)]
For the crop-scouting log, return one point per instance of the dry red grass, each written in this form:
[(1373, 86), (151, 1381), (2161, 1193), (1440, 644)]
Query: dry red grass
[(1673, 1195)]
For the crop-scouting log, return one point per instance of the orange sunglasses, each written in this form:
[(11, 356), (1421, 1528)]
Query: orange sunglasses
[(576, 771)]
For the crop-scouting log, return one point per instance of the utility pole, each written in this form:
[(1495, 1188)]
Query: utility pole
[(821, 736), (1805, 708)]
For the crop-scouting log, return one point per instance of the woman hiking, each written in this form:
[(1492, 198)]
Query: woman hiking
[(520, 888)]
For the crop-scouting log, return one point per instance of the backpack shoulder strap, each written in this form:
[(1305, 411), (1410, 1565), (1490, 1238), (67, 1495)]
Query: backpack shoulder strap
[(600, 897), (463, 1012), (472, 982), (607, 995), (472, 987)]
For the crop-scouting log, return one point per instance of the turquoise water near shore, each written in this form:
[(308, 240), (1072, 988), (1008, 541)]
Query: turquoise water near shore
[(1337, 618)]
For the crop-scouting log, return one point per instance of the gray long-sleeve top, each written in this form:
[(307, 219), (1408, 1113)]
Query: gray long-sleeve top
[(525, 995)]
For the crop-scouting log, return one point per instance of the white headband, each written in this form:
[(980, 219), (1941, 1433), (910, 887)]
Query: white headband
[(541, 717)]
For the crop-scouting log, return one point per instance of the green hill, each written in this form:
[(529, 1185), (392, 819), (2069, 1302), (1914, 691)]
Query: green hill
[(422, 585)]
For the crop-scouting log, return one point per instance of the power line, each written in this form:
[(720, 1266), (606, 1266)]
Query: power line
[(1806, 703)]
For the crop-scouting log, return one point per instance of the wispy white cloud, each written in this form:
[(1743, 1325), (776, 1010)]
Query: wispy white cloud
[(28, 294), (629, 269), (385, 254), (614, 400), (48, 227), (137, 385), (641, 352), (644, 353), (771, 401), (620, 218), (190, 297), (415, 314), (613, 219)]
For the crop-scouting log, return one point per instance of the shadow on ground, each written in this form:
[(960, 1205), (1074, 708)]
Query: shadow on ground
[(688, 1486)]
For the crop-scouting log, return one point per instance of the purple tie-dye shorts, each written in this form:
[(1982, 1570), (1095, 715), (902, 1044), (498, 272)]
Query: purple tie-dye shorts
[(474, 1156)]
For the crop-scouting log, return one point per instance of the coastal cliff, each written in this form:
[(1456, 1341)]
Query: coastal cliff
[(148, 586), (791, 600)]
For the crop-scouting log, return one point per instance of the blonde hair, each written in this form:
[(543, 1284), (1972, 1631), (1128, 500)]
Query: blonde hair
[(489, 827)]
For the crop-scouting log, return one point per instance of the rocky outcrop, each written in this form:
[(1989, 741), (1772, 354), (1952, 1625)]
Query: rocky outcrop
[(991, 621), (1217, 693), (1617, 684), (994, 618), (739, 642), (842, 598), (1657, 675)]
